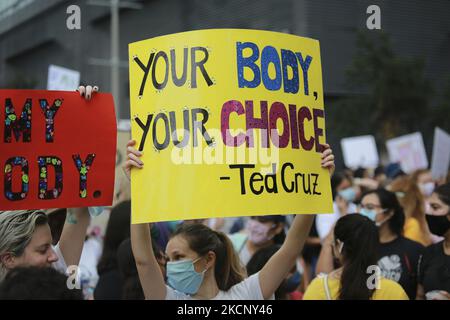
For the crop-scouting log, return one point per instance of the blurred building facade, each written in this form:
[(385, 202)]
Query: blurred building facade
[(33, 34)]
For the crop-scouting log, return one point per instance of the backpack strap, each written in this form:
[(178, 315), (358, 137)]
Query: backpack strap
[(326, 287)]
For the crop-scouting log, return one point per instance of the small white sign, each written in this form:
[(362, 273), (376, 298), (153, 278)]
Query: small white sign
[(441, 154), (409, 151), (360, 152), (63, 79)]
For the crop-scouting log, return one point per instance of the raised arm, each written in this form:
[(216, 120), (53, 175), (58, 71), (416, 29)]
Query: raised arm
[(325, 261), (150, 276), (73, 235), (279, 265)]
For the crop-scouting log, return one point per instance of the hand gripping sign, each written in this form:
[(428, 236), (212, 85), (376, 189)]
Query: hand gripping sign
[(57, 150), (230, 122)]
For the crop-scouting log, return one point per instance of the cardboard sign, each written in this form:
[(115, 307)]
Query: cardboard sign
[(409, 151), (360, 152), (64, 79), (230, 122), (441, 154), (57, 150)]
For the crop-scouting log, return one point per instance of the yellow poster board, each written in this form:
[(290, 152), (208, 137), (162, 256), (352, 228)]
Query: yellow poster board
[(230, 123)]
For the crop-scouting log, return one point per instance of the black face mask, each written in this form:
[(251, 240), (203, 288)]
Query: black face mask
[(438, 225)]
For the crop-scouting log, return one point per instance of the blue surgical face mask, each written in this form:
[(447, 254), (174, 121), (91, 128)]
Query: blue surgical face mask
[(181, 276), (348, 194), (371, 214)]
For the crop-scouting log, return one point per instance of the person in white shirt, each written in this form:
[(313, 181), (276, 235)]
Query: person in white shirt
[(203, 263)]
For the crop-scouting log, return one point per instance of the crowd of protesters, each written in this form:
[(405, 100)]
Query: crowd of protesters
[(388, 238)]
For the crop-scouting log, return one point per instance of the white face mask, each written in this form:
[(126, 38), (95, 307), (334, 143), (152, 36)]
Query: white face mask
[(426, 188), (380, 223)]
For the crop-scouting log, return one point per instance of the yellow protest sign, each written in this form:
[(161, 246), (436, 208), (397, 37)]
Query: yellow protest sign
[(230, 122)]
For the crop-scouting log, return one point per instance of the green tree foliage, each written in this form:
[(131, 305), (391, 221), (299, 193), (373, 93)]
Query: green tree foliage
[(390, 96), (395, 95)]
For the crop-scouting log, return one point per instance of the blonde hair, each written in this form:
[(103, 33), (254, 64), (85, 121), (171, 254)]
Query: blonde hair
[(16, 231)]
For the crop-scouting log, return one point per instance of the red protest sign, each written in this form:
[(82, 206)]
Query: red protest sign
[(57, 150)]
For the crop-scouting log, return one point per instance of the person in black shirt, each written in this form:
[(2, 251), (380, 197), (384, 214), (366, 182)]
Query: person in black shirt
[(434, 266), (398, 256), (398, 262)]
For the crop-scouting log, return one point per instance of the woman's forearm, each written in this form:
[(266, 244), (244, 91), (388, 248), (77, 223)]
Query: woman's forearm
[(141, 242), (297, 234), (72, 237), (150, 275)]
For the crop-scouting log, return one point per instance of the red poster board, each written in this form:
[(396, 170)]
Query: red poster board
[(57, 150)]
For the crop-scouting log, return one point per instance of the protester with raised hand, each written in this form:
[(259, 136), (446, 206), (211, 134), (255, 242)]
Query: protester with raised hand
[(203, 263), (26, 239)]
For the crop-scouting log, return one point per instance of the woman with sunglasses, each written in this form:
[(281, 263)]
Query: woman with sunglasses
[(203, 263)]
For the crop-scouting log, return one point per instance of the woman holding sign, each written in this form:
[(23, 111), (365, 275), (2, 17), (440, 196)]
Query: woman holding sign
[(202, 262), (26, 239)]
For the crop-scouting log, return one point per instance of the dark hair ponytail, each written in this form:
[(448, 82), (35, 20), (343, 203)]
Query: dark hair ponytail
[(202, 239), (228, 269), (360, 250)]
